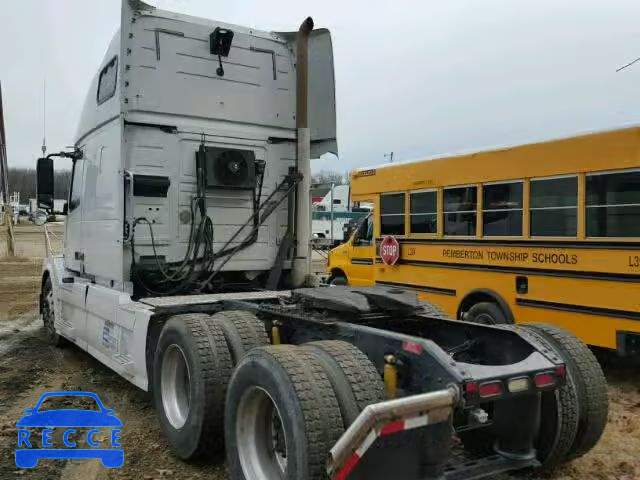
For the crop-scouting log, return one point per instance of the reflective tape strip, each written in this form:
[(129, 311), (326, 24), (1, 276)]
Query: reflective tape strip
[(344, 472), (416, 422), (367, 442), (391, 428), (388, 429)]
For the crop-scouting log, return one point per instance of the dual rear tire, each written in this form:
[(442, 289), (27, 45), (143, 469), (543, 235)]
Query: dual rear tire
[(193, 363), (191, 372), (278, 409), (288, 405)]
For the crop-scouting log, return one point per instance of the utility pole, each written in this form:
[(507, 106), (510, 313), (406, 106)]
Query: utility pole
[(389, 156), (4, 172), (4, 182)]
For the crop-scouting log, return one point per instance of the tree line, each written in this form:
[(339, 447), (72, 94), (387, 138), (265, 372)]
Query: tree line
[(23, 180), (324, 177)]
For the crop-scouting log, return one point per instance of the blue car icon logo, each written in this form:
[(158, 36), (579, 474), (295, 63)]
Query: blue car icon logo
[(32, 447)]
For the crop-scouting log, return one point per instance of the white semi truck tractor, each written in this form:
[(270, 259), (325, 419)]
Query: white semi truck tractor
[(186, 270)]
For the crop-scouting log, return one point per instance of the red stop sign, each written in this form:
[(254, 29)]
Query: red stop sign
[(390, 250)]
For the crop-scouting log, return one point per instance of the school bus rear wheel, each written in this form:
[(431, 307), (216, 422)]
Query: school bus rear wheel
[(337, 279), (486, 313)]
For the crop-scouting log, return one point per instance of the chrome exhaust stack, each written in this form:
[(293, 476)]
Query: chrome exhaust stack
[(301, 271)]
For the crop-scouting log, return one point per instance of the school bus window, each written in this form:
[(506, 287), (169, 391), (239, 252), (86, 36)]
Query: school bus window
[(460, 210), (554, 207), (392, 214), (613, 204), (502, 209), (424, 212)]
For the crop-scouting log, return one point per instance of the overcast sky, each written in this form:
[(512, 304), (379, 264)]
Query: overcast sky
[(417, 78)]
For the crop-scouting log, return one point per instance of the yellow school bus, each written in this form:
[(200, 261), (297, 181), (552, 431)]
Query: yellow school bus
[(543, 232)]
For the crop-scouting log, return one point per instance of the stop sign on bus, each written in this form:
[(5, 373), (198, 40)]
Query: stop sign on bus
[(389, 250)]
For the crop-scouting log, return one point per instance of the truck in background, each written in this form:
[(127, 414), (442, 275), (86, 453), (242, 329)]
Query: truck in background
[(333, 217), (186, 257)]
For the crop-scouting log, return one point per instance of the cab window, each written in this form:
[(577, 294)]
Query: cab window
[(107, 81), (364, 234), (76, 186)]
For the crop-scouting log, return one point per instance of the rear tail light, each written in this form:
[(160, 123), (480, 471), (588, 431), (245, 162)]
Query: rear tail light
[(517, 385), (496, 388), (546, 379), (490, 389), (471, 388)]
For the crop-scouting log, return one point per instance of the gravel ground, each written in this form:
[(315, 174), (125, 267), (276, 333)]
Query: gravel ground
[(29, 367)]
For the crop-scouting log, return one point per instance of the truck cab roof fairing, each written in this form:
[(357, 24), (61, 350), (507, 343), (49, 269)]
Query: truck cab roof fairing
[(160, 54), (94, 115)]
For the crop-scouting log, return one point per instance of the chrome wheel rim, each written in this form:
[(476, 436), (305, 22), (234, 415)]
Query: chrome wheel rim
[(261, 439), (175, 386)]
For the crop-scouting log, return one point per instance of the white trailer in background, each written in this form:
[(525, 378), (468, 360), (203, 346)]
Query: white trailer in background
[(333, 216), (186, 242)]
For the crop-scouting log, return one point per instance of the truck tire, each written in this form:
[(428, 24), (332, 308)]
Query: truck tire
[(486, 313), (357, 384), (590, 383), (47, 307), (191, 371), (558, 423), (242, 330), (354, 379), (558, 418), (281, 416)]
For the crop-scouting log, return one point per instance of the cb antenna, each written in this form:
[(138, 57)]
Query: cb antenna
[(44, 119), (628, 65)]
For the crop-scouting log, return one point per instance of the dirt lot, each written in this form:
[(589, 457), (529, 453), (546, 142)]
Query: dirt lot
[(29, 367)]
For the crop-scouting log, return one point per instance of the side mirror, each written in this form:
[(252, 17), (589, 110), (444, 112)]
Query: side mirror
[(44, 187)]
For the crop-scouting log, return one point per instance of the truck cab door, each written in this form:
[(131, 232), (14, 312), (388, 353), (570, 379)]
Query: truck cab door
[(73, 292), (73, 253), (363, 254)]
